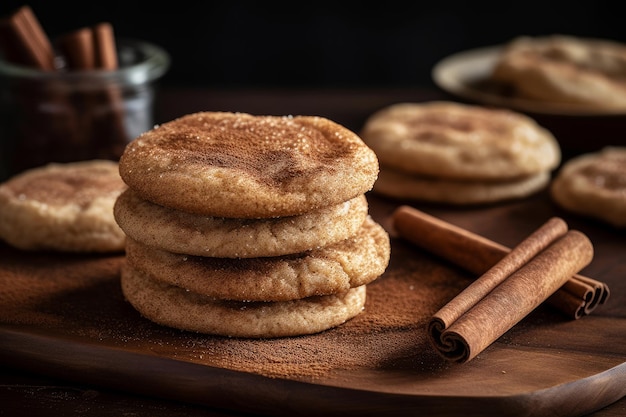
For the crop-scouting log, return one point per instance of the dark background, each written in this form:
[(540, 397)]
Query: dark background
[(322, 44)]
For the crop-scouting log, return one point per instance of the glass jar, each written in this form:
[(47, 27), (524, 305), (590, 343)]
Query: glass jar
[(65, 116)]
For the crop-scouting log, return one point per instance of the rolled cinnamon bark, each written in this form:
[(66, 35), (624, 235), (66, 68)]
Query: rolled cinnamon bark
[(43, 117), (461, 334), (77, 48), (104, 43), (476, 254), (100, 109), (112, 134), (84, 115), (501, 270), (570, 303), (25, 41)]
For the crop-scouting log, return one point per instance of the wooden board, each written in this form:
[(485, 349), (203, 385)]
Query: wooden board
[(65, 316)]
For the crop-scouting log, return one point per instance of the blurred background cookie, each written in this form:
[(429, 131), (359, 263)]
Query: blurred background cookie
[(564, 69), (594, 185), (456, 153), (400, 185), (63, 207), (571, 84)]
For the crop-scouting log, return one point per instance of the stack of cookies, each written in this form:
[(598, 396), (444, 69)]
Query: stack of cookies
[(249, 226), (447, 152)]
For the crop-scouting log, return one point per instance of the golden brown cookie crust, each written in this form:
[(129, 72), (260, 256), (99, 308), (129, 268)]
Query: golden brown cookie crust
[(179, 232), (353, 262), (176, 307), (64, 207), (456, 141), (594, 184), (239, 165)]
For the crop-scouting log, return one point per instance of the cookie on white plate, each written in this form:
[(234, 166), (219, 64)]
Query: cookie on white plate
[(585, 72)]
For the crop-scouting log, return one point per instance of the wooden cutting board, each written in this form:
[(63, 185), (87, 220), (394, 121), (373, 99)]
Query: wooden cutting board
[(64, 315)]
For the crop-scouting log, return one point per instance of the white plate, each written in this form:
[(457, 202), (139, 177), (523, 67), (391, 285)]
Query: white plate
[(466, 75)]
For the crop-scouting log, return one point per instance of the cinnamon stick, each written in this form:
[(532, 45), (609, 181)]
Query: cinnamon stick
[(47, 118), (66, 119), (24, 40), (98, 128), (104, 43), (77, 48), (459, 334), (579, 296), (513, 261), (109, 124)]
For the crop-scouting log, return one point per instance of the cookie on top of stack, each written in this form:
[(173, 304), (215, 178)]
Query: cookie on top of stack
[(249, 226), (453, 153)]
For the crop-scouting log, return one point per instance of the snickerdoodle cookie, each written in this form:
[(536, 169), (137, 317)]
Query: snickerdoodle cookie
[(594, 185), (459, 141), (401, 185), (179, 308), (240, 165), (459, 153), (350, 263), (193, 234), (565, 69), (63, 207)]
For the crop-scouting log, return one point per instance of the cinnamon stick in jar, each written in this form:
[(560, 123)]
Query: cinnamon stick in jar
[(104, 42), (102, 128), (24, 40), (41, 118), (73, 102), (108, 119), (77, 48), (579, 296)]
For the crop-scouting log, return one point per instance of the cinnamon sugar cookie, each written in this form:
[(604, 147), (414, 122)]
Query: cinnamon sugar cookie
[(401, 185), (594, 184), (566, 70), (64, 207), (179, 308), (224, 164), (455, 141), (350, 263), (193, 234)]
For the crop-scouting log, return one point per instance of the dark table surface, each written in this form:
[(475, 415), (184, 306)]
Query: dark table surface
[(31, 394)]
